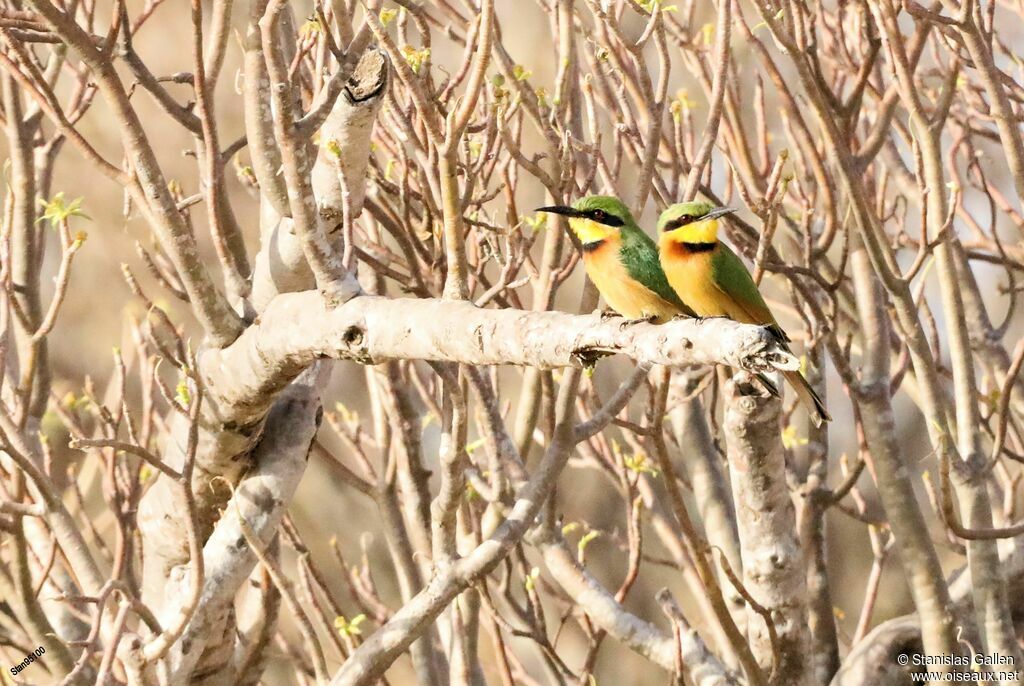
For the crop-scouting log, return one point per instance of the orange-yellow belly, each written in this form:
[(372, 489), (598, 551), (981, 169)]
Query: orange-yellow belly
[(690, 275), (624, 294)]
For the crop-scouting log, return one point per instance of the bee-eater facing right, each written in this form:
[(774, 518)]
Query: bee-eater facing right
[(714, 282)]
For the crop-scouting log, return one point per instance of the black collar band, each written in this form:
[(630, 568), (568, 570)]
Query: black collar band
[(592, 245), (700, 247)]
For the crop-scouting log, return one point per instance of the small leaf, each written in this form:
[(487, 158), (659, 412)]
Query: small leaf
[(683, 98), (707, 33), (334, 148), (639, 464), (73, 402), (415, 58), (586, 539), (181, 393), (650, 5), (521, 73), (531, 579), (790, 439), (353, 625), (992, 399), (387, 16), (348, 627), (542, 96), (348, 416), (537, 222), (56, 210), (311, 27)]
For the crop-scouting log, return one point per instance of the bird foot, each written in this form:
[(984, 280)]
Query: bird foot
[(649, 319), (608, 314)]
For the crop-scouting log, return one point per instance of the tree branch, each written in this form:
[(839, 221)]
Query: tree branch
[(298, 328), (773, 571)]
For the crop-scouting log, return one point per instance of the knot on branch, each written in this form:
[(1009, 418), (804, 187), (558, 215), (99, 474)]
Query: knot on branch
[(353, 344), (748, 390), (369, 79), (353, 336), (587, 357), (753, 413)]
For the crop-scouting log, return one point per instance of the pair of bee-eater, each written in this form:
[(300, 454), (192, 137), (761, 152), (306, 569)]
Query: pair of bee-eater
[(690, 272)]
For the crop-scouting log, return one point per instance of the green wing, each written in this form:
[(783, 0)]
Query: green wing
[(732, 278), (640, 256)]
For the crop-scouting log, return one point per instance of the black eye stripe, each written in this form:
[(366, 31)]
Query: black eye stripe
[(602, 217), (681, 221)]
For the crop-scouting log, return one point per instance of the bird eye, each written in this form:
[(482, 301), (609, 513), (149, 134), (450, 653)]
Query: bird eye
[(679, 222), (600, 215)]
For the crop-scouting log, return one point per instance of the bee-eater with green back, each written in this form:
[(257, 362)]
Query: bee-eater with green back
[(714, 282), (621, 259)]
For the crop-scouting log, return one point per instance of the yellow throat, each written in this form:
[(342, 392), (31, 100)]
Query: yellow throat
[(589, 231), (705, 231)]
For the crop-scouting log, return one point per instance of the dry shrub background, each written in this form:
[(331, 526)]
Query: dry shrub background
[(875, 152)]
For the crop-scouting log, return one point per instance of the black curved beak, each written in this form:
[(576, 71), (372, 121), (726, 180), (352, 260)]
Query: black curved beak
[(718, 212), (563, 210)]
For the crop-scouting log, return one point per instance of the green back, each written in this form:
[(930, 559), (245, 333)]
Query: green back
[(733, 279), (639, 255)]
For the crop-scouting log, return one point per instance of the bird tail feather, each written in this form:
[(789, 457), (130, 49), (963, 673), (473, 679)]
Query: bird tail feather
[(769, 385), (811, 400)]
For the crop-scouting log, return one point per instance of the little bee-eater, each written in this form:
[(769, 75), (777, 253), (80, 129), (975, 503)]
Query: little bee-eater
[(714, 282), (621, 259)]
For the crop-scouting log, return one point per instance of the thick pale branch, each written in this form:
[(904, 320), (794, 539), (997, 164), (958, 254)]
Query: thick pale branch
[(298, 328), (337, 176), (260, 499), (280, 266), (331, 276), (345, 134), (771, 554)]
